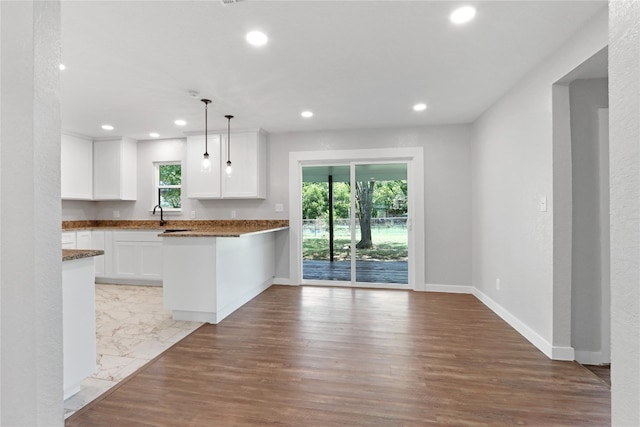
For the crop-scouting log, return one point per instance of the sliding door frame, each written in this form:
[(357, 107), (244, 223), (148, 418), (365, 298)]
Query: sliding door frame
[(414, 158)]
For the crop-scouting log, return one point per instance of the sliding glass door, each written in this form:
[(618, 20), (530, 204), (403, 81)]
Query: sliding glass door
[(354, 224), (381, 240)]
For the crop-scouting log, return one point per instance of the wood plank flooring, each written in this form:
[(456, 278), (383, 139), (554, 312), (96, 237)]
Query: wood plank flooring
[(312, 356)]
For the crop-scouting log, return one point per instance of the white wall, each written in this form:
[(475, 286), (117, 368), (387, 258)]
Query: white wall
[(447, 186), (31, 273), (624, 112), (77, 210), (512, 157), (586, 96)]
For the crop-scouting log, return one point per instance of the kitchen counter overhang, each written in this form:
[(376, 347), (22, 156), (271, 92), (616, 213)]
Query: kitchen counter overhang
[(224, 232), (216, 225), (73, 254)]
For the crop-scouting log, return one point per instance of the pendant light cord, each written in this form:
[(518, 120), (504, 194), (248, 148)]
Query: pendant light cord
[(206, 126), (229, 139)]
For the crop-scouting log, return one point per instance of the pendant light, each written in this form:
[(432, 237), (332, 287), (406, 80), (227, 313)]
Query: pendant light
[(229, 169), (206, 163)]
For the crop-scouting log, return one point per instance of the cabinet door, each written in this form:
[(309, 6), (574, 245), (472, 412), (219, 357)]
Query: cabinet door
[(69, 240), (83, 240), (199, 184), (76, 168), (151, 260), (98, 242), (125, 259), (137, 255), (106, 170), (248, 159), (114, 169)]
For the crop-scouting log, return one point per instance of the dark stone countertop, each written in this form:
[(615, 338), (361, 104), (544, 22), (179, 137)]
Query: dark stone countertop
[(71, 254)]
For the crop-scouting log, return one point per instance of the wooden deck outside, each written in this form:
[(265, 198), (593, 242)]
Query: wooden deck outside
[(318, 356), (366, 271)]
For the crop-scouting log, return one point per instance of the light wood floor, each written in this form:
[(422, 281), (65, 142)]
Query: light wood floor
[(311, 356)]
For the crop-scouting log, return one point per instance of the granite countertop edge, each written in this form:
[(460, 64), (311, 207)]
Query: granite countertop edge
[(73, 254), (221, 233), (221, 227)]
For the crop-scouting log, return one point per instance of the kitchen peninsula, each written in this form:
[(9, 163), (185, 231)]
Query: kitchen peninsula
[(208, 273), (79, 317)]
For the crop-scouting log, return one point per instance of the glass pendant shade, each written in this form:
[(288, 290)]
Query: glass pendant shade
[(206, 163)]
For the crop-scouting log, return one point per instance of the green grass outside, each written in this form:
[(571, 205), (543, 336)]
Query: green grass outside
[(388, 245)]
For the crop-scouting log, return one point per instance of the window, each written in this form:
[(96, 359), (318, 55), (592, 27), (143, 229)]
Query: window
[(169, 185)]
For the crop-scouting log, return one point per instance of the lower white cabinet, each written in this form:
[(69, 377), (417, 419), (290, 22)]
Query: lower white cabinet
[(83, 239), (130, 257), (68, 240), (98, 242), (137, 256)]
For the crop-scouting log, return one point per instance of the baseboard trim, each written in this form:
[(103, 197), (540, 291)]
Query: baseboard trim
[(552, 352), (591, 358), (282, 281), (451, 289)]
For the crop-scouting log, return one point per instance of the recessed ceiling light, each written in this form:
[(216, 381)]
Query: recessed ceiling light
[(306, 114), (154, 135), (462, 14), (420, 107), (180, 122), (62, 67), (256, 38), (107, 127)]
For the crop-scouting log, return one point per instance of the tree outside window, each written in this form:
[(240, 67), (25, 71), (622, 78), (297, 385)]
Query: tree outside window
[(169, 185)]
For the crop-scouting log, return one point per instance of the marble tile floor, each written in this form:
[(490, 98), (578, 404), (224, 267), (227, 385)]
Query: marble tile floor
[(132, 328)]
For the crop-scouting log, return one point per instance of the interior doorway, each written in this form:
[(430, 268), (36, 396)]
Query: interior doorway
[(355, 220)]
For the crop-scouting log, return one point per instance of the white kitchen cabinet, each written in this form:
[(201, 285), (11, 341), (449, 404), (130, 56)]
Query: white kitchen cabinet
[(98, 242), (83, 239), (137, 256), (76, 168), (68, 240), (115, 169), (203, 185), (249, 161)]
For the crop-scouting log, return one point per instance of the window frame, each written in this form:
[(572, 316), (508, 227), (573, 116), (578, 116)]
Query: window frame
[(157, 186)]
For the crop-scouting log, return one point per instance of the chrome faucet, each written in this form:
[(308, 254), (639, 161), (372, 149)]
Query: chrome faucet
[(162, 221)]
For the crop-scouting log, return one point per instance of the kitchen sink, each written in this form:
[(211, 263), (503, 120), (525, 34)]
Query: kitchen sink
[(176, 230)]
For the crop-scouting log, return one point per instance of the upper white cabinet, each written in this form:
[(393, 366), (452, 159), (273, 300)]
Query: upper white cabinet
[(203, 185), (248, 158), (76, 168), (114, 169), (249, 163)]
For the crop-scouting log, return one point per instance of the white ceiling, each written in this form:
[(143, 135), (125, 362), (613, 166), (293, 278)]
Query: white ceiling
[(355, 64)]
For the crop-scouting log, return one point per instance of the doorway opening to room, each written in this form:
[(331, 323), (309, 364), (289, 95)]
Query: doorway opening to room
[(354, 223)]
